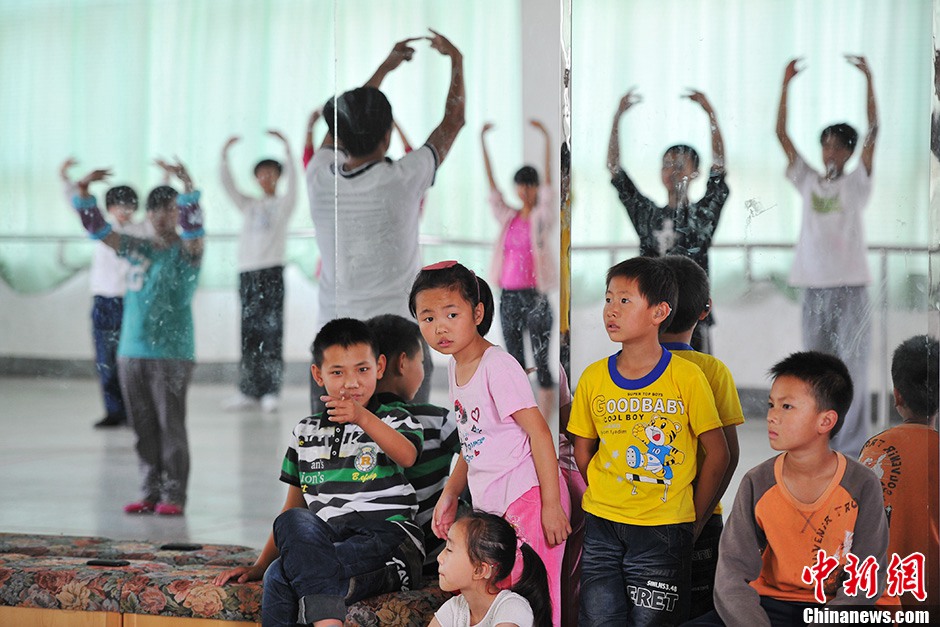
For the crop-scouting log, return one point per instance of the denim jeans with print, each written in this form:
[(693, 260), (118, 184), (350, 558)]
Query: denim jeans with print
[(633, 574)]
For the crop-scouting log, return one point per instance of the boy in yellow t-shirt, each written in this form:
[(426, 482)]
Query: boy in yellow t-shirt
[(694, 305), (637, 420)]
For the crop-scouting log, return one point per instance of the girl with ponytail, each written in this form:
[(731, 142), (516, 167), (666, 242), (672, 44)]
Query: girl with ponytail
[(476, 561)]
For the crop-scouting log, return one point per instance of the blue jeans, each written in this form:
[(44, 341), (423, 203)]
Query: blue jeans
[(321, 568), (634, 575), (106, 316)]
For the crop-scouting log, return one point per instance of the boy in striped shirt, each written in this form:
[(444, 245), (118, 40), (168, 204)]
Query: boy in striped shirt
[(347, 530), (403, 348)]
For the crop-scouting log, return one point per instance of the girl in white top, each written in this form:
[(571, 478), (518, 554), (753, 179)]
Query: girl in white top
[(479, 554)]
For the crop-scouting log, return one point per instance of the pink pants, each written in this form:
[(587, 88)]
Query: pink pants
[(525, 515)]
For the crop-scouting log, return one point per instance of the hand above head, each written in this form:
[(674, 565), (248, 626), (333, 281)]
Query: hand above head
[(487, 128), (698, 97), (175, 169), (314, 116), (400, 53), (64, 168), (538, 125), (792, 69), (95, 175), (228, 144), (443, 45), (277, 134), (860, 62), (628, 100)]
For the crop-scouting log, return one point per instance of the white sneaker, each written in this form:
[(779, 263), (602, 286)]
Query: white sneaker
[(270, 403), (239, 402)]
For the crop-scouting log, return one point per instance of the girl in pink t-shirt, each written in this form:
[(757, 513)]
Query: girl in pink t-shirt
[(507, 458)]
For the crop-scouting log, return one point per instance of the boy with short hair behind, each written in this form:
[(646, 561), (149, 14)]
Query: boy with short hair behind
[(108, 282), (261, 246), (694, 305), (905, 459), (637, 420), (347, 529), (800, 510), (403, 348)]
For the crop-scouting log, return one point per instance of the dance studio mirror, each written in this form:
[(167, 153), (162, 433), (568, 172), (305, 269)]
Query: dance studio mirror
[(119, 84), (735, 54)]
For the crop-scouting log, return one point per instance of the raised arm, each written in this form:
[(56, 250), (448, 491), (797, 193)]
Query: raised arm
[(400, 53), (401, 135), (64, 170), (613, 146), (718, 144), (290, 194), (87, 208), (442, 138), (225, 174), (868, 148), (785, 142), (486, 156), (190, 213), (548, 150)]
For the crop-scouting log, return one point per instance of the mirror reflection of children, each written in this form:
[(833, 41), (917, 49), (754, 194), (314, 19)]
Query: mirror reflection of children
[(682, 227), (261, 250), (508, 457), (108, 281), (905, 458), (830, 260), (156, 352), (480, 554), (523, 264)]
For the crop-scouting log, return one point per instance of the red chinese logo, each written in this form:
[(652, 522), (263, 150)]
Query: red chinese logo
[(860, 576), (907, 575), (817, 573)]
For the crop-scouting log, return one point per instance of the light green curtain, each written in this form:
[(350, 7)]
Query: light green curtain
[(735, 52), (117, 83)]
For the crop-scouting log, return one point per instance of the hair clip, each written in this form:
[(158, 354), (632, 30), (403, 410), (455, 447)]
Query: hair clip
[(441, 265)]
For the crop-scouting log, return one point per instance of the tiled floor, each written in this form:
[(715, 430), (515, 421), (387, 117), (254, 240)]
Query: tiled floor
[(58, 475)]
